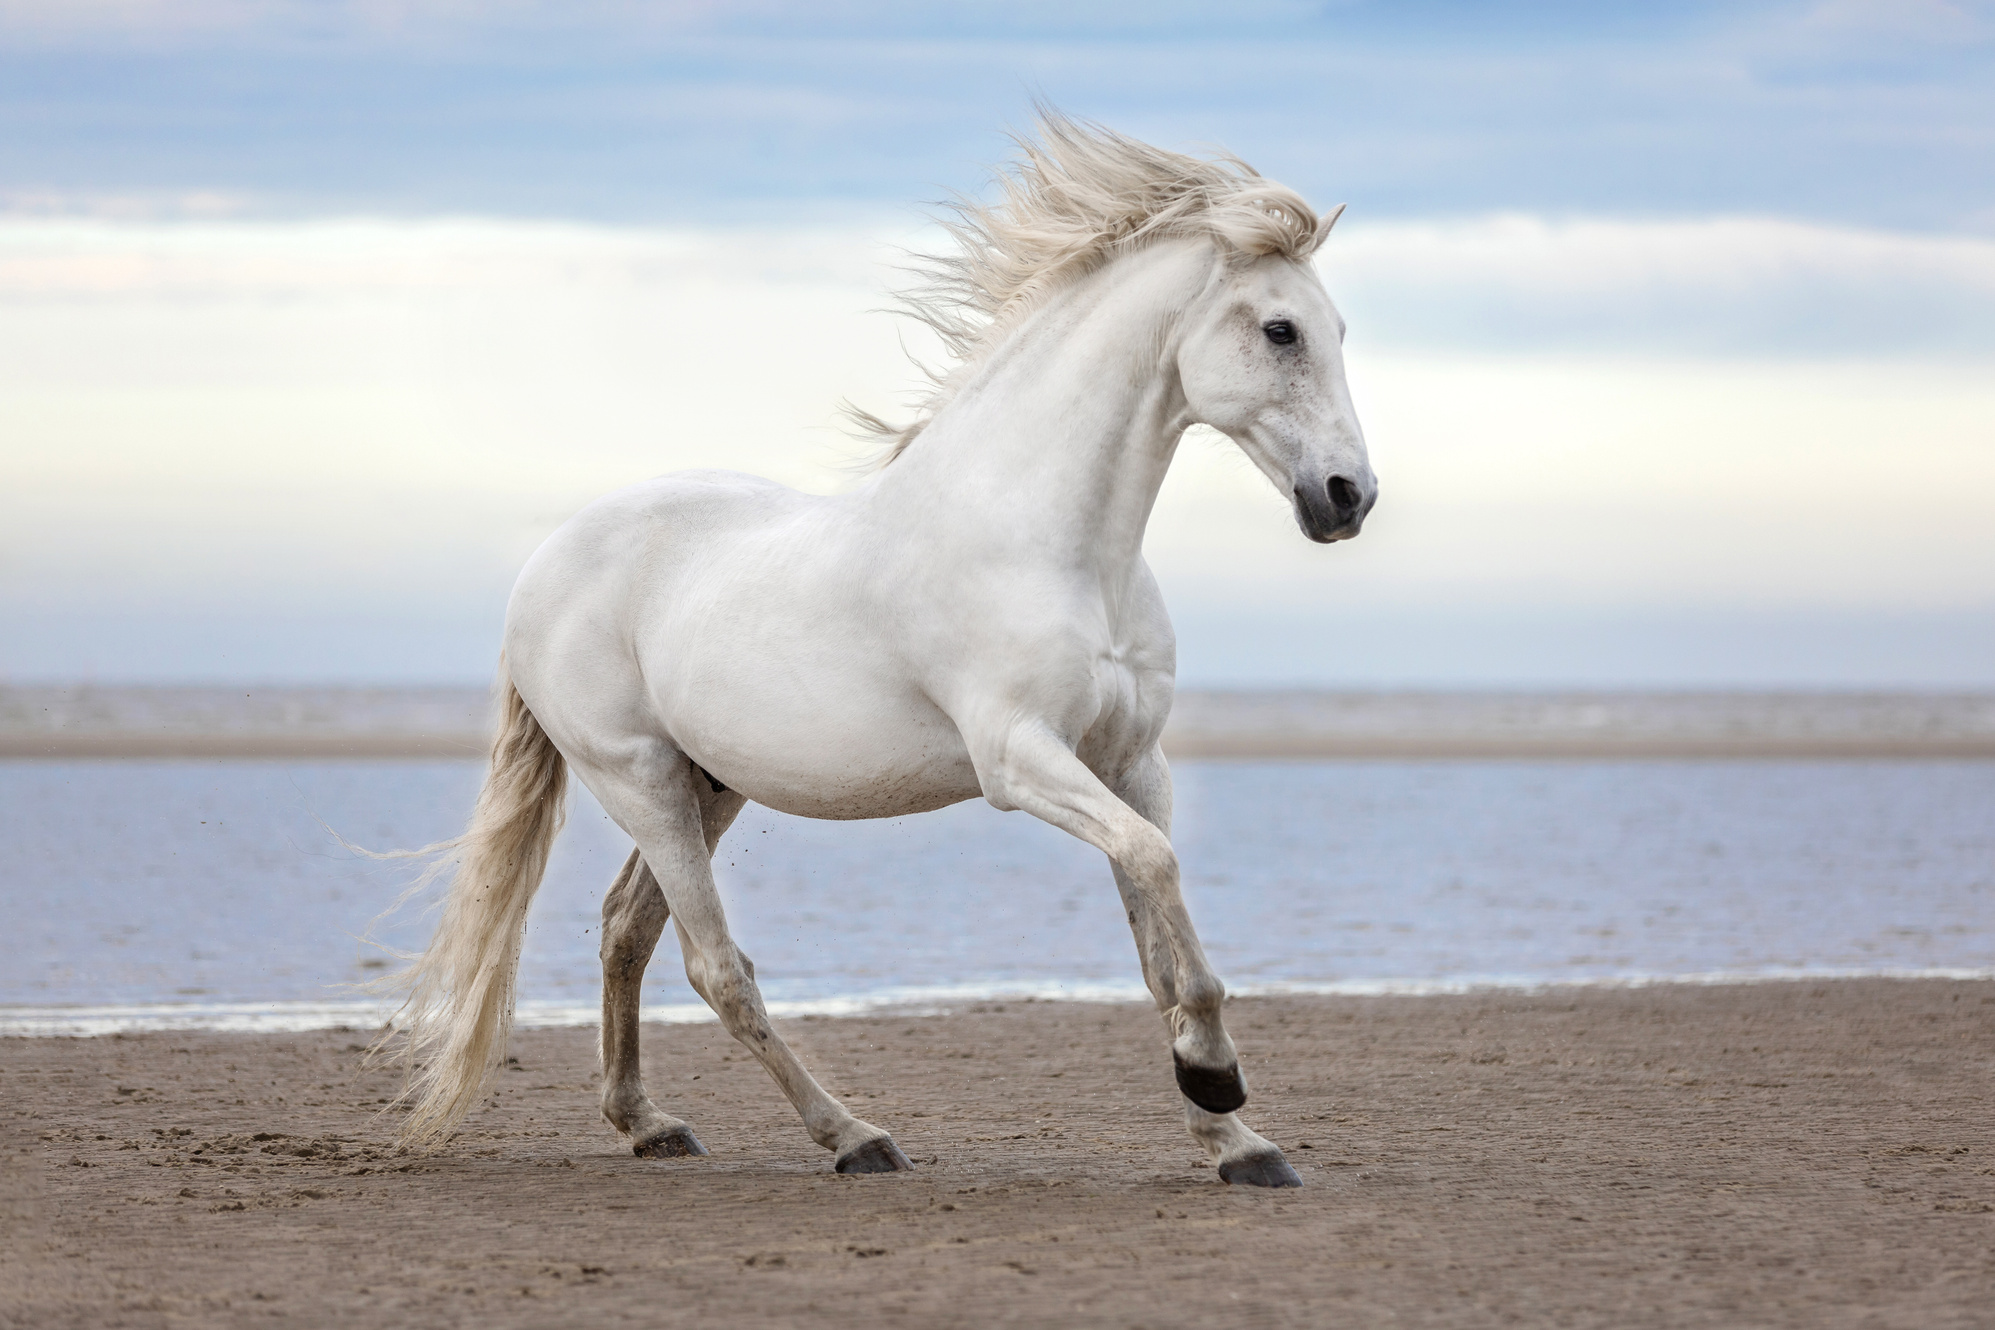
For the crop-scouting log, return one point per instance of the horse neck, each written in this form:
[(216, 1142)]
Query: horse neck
[(1058, 444)]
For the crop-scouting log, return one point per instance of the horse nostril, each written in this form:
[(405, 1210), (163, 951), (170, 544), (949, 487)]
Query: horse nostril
[(1343, 496)]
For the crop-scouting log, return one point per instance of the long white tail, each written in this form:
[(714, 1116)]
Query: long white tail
[(458, 1005)]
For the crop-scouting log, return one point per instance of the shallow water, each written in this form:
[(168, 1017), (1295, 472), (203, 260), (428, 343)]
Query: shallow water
[(220, 882)]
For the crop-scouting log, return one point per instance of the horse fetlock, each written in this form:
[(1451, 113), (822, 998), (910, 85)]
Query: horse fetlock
[(832, 1127), (1223, 1134), (617, 1099), (655, 1134), (630, 1110), (1244, 1157), (1214, 1131), (1200, 995)]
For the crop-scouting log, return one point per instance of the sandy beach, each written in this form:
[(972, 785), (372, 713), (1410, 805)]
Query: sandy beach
[(1777, 1154)]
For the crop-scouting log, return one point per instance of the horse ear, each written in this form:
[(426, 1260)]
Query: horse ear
[(1329, 220)]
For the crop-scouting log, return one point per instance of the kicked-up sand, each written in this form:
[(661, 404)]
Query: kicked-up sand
[(1792, 1154)]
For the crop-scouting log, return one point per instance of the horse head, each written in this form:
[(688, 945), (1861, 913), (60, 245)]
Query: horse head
[(1261, 359)]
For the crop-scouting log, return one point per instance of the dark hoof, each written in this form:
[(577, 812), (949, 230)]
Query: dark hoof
[(1213, 1091), (1262, 1170), (879, 1155), (672, 1143)]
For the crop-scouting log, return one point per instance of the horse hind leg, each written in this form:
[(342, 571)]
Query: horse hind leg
[(634, 917), (659, 803), (720, 972)]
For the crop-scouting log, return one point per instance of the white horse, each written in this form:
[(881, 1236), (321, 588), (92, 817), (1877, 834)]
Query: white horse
[(973, 618)]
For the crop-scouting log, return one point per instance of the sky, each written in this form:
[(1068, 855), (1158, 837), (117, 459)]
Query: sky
[(1672, 326)]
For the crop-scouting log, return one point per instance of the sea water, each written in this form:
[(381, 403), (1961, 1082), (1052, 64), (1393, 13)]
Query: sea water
[(140, 894)]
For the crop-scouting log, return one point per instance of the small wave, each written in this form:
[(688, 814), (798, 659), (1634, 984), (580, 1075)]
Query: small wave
[(934, 1000)]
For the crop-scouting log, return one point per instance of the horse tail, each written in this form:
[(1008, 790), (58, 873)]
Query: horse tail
[(457, 1011)]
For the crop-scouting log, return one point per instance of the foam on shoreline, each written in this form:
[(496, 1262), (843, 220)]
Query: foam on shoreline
[(27, 1021)]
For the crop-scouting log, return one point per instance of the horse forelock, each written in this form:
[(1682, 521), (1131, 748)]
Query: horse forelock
[(1076, 195)]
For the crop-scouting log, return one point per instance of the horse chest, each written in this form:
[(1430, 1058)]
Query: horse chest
[(1130, 712)]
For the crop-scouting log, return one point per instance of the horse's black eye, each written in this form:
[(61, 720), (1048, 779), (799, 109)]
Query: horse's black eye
[(1281, 332)]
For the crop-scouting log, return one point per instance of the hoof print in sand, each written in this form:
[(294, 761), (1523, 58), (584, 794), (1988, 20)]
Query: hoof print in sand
[(1262, 1170), (677, 1143), (879, 1155)]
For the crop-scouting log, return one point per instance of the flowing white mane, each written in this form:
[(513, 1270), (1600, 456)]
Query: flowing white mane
[(1074, 198)]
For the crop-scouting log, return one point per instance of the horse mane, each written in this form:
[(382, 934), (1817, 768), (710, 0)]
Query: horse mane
[(1076, 195)]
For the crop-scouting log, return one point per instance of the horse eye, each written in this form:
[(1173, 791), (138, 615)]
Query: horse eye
[(1281, 332)]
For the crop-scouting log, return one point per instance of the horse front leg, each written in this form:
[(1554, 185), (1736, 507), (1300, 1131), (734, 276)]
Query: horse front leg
[(1242, 1155), (1040, 774)]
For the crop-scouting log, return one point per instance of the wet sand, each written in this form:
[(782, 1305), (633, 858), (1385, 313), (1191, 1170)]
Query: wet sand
[(1782, 1154)]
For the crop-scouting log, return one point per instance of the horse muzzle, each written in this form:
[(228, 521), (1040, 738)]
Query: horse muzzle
[(1334, 509)]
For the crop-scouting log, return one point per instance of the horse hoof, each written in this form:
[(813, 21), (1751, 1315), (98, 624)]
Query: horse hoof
[(672, 1143), (879, 1155), (1267, 1169), (1214, 1091)]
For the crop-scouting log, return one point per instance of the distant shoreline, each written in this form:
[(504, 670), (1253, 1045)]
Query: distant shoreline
[(1196, 747), (85, 722), (362, 747)]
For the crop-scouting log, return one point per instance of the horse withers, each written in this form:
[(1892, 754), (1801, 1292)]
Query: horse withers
[(974, 618)]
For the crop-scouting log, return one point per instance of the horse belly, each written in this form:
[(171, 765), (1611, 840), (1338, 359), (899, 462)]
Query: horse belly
[(839, 760)]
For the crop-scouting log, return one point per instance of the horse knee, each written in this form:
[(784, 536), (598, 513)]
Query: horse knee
[(1149, 862), (627, 948), (739, 1001), (633, 921)]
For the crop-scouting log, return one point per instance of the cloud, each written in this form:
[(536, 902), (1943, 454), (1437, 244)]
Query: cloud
[(1711, 288), (1846, 26), (56, 259), (616, 111), (435, 25)]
